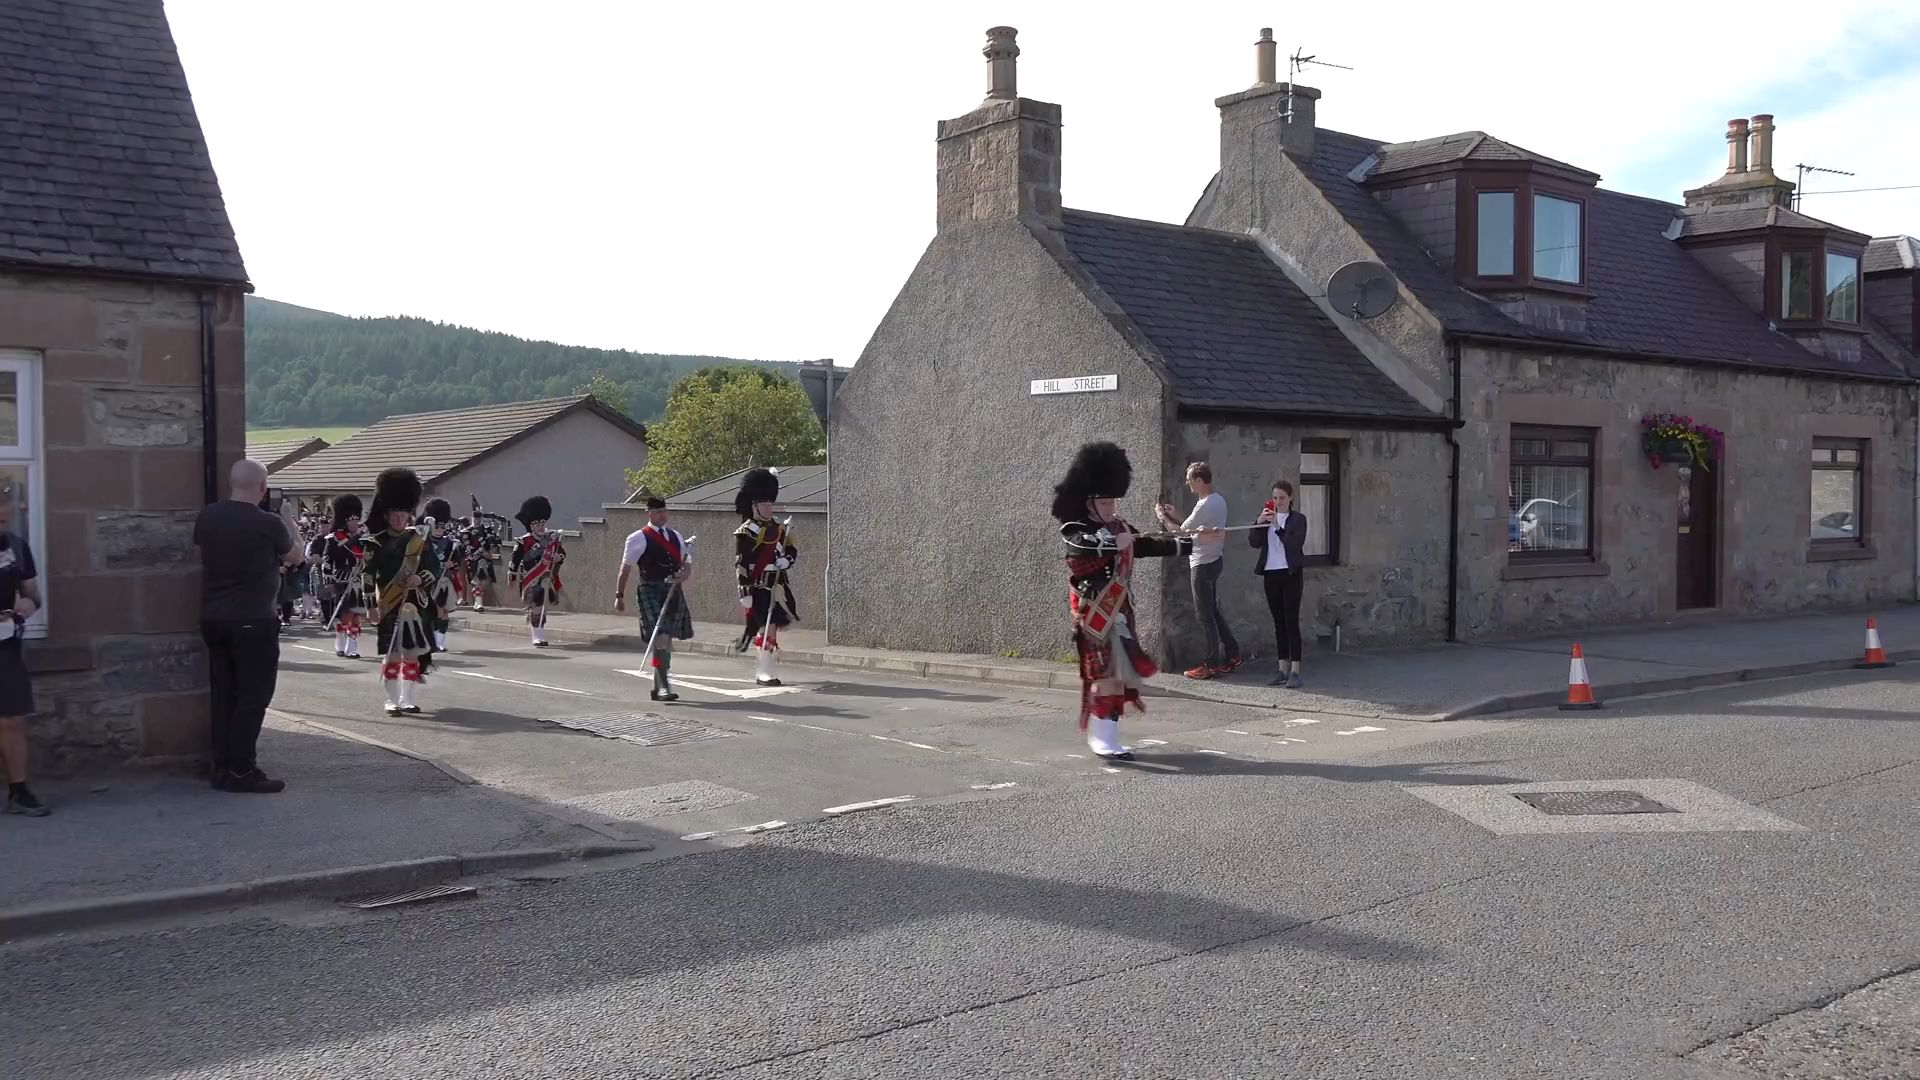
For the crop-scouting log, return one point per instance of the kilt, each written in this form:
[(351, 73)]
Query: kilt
[(649, 599)]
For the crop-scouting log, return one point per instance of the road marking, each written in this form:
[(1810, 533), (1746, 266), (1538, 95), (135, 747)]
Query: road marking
[(1303, 720), (1077, 755), (1286, 739), (1109, 768), (310, 648), (1162, 766), (516, 682), (1237, 731), (765, 826), (870, 804), (837, 731), (1152, 742), (1216, 753), (903, 742), (993, 787), (1360, 730), (745, 694)]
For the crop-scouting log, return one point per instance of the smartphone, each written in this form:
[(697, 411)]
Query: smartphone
[(1270, 508), (276, 498)]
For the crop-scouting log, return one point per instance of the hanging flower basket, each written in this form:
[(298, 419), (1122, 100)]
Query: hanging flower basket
[(1677, 440)]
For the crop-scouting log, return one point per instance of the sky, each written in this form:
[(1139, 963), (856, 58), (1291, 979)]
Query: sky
[(756, 179)]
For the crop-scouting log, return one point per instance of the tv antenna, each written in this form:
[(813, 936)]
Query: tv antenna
[(1800, 179), (1294, 64)]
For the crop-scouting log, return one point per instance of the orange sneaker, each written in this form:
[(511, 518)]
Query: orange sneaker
[(1201, 672)]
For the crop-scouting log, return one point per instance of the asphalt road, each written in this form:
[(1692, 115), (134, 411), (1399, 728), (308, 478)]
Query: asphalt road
[(1261, 913)]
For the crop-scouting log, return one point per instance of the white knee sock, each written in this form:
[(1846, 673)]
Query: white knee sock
[(1103, 736)]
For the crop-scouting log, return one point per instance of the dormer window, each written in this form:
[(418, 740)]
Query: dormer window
[(1796, 285), (1556, 239), (1843, 287), (1521, 230), (1812, 283), (1495, 226)]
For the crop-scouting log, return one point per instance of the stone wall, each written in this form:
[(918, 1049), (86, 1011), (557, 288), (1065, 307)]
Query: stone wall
[(942, 535), (593, 563), (1766, 561), (1389, 581), (121, 674)]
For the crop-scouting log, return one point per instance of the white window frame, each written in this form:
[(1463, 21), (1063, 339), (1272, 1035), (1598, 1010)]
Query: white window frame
[(29, 453)]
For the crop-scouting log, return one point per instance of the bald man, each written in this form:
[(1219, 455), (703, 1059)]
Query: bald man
[(243, 549)]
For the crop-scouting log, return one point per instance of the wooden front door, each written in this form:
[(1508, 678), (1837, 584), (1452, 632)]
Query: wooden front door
[(1696, 562)]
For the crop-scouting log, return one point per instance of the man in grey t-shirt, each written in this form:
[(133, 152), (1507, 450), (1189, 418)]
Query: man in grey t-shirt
[(1204, 565)]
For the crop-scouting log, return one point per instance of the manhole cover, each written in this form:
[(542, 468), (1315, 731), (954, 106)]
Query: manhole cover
[(411, 896), (1571, 803), (647, 729)]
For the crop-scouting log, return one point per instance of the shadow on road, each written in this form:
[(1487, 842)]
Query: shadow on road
[(1214, 764), (915, 693)]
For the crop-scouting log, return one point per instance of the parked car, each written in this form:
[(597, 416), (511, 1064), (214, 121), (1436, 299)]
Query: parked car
[(1838, 525)]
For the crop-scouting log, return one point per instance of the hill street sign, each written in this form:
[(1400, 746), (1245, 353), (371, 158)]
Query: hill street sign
[(1082, 385)]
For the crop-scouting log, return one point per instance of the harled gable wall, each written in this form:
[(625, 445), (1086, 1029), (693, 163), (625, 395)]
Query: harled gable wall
[(121, 674)]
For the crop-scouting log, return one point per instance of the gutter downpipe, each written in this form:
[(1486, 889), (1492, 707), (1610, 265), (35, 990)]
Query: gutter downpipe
[(1453, 501), (209, 402)]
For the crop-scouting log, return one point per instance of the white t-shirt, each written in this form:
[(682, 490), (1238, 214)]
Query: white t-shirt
[(637, 546), (1276, 549), (1208, 513)]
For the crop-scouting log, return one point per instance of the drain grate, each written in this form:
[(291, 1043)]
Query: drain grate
[(647, 729), (1574, 803), (411, 896)]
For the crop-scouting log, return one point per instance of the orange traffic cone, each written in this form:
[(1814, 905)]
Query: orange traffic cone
[(1579, 690), (1876, 656)]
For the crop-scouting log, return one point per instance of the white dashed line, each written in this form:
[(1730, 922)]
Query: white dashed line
[(870, 804), (517, 682), (993, 787), (1360, 730), (310, 648), (1162, 766), (1303, 720), (1216, 753), (1237, 731), (1151, 742), (1077, 755), (856, 734), (744, 830), (1111, 769), (745, 693)]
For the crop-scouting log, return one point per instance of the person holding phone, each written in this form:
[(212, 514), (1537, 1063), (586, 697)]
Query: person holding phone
[(1281, 564), (19, 599)]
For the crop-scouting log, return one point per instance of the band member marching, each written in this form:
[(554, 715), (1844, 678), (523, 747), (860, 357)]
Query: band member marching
[(764, 551), (480, 543), (536, 564), (1100, 552), (665, 561), (403, 571), (339, 559), (444, 537)]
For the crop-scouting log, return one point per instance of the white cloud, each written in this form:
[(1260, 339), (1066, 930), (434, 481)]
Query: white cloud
[(757, 179)]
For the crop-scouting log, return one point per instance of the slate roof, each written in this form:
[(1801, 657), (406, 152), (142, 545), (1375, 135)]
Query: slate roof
[(1652, 297), (1714, 222), (802, 487), (1233, 330), (1886, 253), (1462, 146), (433, 444), (276, 454), (102, 164)]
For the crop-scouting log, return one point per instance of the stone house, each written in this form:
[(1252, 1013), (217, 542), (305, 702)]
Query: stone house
[(121, 368), (573, 450), (1470, 458), (705, 512)]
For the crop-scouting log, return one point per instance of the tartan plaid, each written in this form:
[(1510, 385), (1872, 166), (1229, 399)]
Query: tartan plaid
[(650, 597)]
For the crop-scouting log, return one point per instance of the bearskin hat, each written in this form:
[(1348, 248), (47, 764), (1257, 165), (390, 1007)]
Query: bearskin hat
[(655, 502), (344, 507), (536, 508), (395, 489), (1099, 471), (759, 485), (439, 510)]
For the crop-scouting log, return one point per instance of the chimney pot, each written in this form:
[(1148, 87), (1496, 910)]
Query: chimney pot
[(1761, 141), (1266, 59), (1001, 52), (1736, 147)]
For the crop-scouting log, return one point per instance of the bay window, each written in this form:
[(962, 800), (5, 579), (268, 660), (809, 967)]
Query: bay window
[(1843, 287), (1556, 239), (1494, 239)]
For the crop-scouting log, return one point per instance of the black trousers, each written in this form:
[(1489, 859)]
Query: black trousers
[(244, 662), (1205, 580), (1283, 599)]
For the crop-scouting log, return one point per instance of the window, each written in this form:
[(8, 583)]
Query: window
[(1549, 493), (1796, 285), (1320, 500), (1839, 509), (1494, 240), (1556, 239), (1843, 287), (20, 461)]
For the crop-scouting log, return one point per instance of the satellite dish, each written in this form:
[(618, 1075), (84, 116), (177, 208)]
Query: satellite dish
[(1362, 290)]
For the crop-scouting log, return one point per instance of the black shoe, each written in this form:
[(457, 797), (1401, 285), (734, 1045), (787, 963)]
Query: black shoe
[(663, 695), (251, 782), (767, 682), (539, 644), (22, 801), (1124, 755), (409, 708), (1279, 679)]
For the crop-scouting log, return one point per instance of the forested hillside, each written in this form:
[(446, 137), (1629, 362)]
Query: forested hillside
[(307, 367)]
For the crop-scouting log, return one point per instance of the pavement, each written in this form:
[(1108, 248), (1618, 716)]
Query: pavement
[(1272, 909), (1439, 682)]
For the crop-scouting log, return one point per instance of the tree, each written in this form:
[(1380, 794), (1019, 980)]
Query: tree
[(720, 421), (607, 391)]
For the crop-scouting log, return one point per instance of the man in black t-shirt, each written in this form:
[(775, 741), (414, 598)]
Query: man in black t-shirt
[(243, 549)]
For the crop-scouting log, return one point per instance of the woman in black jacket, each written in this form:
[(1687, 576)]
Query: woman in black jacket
[(1281, 563)]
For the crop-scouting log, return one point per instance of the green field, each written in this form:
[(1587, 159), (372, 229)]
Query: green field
[(291, 434)]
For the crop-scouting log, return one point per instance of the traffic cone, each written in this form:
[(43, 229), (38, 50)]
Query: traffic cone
[(1579, 690), (1876, 656)]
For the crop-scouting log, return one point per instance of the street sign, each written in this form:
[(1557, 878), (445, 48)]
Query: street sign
[(1082, 385)]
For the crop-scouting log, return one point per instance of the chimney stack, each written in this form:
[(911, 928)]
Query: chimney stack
[(1001, 54), (1000, 162), (1762, 142), (1266, 59), (1736, 147)]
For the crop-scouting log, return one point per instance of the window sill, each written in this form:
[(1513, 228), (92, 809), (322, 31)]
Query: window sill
[(1841, 552), (1529, 570)]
